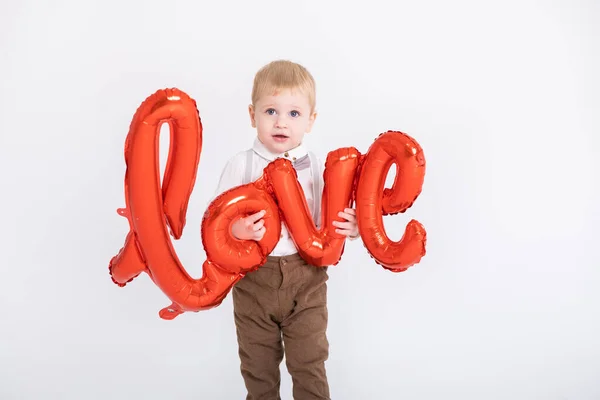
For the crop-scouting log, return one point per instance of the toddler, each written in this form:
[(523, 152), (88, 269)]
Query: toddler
[(281, 308)]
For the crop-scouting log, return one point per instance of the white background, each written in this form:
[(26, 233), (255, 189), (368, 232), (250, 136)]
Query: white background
[(503, 97)]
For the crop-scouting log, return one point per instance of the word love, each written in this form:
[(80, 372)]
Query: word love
[(157, 213)]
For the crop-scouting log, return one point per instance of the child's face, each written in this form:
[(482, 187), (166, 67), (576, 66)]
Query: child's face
[(282, 119)]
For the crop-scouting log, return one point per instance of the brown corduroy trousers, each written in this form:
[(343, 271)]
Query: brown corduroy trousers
[(281, 308)]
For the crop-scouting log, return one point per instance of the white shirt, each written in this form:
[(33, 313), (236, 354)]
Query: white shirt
[(234, 171)]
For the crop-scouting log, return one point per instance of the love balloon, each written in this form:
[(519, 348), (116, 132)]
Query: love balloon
[(156, 213)]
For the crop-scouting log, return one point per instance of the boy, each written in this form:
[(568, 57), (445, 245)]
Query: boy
[(284, 302)]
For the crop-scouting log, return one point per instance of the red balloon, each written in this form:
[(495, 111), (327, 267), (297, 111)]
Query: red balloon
[(222, 248), (372, 201), (152, 210), (157, 213), (322, 247)]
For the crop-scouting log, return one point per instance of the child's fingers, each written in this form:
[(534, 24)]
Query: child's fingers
[(350, 211), (345, 232), (258, 235), (257, 226), (255, 217), (343, 225), (347, 217)]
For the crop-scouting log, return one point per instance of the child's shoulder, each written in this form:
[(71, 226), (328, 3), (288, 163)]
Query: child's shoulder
[(239, 157)]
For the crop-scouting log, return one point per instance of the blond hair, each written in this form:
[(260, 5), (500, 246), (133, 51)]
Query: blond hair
[(283, 74)]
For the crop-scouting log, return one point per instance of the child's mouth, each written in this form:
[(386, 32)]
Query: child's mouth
[(280, 138)]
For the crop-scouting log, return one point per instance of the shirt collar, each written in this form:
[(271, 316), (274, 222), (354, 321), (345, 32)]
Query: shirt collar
[(292, 155)]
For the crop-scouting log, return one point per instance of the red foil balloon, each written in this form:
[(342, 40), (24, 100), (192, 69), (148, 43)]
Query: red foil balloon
[(156, 213), (150, 208), (372, 201), (319, 247), (224, 250)]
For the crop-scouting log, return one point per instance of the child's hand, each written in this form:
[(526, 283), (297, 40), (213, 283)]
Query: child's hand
[(349, 228), (250, 228)]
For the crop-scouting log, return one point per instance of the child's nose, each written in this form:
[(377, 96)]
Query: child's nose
[(281, 122)]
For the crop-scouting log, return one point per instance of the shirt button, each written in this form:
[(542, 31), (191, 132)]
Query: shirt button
[(286, 154)]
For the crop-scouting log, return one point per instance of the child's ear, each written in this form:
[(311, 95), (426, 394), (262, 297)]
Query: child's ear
[(251, 112), (311, 121)]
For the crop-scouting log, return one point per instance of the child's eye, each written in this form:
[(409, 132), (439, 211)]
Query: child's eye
[(270, 111), (295, 113)]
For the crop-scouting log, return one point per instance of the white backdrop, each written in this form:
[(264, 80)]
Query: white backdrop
[(502, 97)]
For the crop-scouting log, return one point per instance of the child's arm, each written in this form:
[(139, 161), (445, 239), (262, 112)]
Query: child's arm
[(231, 176), (252, 226)]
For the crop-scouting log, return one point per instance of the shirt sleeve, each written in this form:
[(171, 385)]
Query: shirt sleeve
[(321, 172), (231, 176)]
